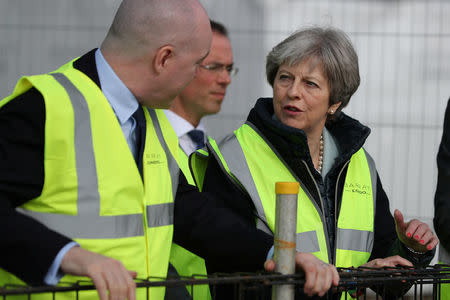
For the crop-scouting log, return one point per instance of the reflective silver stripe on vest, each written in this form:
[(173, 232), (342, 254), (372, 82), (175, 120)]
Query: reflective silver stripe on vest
[(360, 240), (88, 196), (307, 242), (87, 223), (444, 256), (356, 240), (162, 214), (234, 156), (90, 226)]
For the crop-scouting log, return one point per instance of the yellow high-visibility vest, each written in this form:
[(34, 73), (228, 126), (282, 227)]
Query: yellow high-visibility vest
[(254, 165), (93, 192)]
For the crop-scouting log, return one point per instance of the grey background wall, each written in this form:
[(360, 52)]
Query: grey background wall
[(403, 47)]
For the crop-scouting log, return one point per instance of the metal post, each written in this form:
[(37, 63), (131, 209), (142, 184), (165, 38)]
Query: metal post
[(285, 233)]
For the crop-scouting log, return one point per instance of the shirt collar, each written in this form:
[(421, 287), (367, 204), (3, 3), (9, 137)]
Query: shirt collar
[(122, 101), (180, 125)]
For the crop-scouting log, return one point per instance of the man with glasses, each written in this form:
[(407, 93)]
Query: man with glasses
[(204, 95)]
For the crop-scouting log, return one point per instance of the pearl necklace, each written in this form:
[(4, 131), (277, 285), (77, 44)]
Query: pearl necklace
[(320, 163)]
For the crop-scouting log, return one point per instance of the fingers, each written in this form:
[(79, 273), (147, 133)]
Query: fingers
[(397, 260), (422, 237), (320, 279), (323, 279), (100, 285), (269, 265), (116, 286), (319, 276), (310, 279), (415, 234), (131, 290), (113, 277), (426, 239), (399, 221), (106, 273), (335, 276), (416, 229), (133, 274), (126, 288), (131, 285), (391, 261), (432, 243)]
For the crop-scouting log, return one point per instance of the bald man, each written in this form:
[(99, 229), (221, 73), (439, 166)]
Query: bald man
[(85, 185), (88, 164)]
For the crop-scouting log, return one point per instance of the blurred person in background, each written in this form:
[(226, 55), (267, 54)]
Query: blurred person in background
[(442, 199), (203, 96), (301, 134)]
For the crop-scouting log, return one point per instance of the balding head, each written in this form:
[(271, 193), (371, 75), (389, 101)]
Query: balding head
[(148, 37), (140, 24)]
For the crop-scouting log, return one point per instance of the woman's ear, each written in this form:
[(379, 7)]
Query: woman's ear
[(162, 58), (333, 108)]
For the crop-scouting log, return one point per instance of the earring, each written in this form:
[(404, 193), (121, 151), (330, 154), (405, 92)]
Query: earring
[(331, 111)]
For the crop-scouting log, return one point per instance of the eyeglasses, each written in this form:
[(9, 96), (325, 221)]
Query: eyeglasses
[(218, 68)]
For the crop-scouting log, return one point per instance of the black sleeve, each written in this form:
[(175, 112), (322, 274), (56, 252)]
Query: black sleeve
[(27, 248), (227, 193), (384, 227), (386, 242), (442, 197), (207, 226)]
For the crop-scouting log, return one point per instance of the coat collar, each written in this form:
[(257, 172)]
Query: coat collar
[(86, 64)]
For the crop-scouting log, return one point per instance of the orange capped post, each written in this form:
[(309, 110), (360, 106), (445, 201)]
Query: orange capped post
[(287, 188), (285, 236)]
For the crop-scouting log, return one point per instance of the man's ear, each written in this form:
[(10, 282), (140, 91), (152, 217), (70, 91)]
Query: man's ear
[(162, 57)]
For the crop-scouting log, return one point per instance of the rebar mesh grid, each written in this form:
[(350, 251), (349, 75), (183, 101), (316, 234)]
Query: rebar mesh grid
[(352, 280)]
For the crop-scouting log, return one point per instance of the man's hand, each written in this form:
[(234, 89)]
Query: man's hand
[(415, 234), (319, 275), (107, 274)]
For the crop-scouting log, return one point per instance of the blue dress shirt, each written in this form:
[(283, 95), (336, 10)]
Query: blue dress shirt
[(122, 101), (182, 127)]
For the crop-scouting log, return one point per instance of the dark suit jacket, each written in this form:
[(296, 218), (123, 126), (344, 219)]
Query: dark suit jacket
[(442, 197), (28, 248)]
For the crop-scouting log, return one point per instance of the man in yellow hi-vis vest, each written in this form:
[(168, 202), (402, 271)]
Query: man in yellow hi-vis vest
[(203, 96), (442, 200), (84, 207)]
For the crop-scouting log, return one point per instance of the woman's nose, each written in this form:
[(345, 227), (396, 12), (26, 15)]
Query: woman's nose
[(294, 91)]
